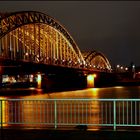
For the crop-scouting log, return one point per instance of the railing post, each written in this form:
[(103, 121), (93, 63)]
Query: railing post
[(1, 113), (55, 114), (114, 115)]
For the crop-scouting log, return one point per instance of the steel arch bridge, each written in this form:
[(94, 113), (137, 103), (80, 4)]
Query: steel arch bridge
[(97, 60), (36, 37), (31, 36)]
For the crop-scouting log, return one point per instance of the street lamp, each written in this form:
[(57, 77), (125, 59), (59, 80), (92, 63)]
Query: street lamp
[(118, 66)]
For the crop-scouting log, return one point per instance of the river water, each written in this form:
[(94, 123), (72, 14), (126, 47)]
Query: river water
[(109, 92), (69, 111)]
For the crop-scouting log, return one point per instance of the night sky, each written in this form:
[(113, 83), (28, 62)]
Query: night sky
[(111, 27)]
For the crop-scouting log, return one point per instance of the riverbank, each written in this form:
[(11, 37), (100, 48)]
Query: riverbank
[(19, 91)]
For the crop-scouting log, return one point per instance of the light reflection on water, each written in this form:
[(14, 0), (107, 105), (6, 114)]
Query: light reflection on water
[(110, 92), (28, 113)]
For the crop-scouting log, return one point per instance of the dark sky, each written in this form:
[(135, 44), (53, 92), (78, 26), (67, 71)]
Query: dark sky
[(111, 27)]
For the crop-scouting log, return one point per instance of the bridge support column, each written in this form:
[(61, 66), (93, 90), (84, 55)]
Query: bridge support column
[(39, 80), (91, 80), (0, 75)]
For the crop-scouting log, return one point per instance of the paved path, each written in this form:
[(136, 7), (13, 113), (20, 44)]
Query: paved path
[(45, 134)]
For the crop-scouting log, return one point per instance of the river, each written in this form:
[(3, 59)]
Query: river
[(23, 111), (108, 92)]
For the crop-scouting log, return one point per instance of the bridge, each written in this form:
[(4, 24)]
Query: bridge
[(32, 42)]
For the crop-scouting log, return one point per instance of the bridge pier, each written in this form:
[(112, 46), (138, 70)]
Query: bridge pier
[(91, 80), (0, 74), (52, 77), (39, 80)]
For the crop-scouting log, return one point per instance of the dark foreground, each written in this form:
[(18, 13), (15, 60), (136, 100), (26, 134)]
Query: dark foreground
[(45, 134)]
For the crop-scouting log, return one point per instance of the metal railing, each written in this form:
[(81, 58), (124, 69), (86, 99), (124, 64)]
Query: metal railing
[(70, 112)]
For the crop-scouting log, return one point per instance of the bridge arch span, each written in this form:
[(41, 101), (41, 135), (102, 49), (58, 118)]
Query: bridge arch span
[(36, 37), (97, 60)]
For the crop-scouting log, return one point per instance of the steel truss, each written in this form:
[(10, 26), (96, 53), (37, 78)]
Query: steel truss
[(37, 37), (97, 60)]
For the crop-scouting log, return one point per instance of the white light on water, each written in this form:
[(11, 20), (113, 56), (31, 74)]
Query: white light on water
[(118, 87)]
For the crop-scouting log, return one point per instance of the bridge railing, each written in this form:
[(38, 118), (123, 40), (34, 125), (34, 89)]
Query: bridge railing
[(96, 113)]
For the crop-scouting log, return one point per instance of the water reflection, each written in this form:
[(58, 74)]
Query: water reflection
[(96, 109), (94, 92), (110, 92), (3, 113), (38, 112), (119, 87)]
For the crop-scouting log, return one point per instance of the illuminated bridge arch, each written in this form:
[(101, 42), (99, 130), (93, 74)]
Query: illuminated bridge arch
[(36, 37), (97, 60)]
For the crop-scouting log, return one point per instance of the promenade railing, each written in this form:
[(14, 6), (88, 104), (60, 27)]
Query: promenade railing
[(70, 112)]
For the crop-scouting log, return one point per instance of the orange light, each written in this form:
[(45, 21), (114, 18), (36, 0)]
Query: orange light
[(94, 75), (94, 92)]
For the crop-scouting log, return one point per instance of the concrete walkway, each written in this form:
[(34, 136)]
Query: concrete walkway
[(45, 134)]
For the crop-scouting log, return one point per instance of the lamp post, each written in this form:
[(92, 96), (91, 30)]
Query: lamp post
[(133, 71)]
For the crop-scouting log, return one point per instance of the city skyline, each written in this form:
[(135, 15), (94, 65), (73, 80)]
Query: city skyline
[(108, 27)]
